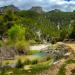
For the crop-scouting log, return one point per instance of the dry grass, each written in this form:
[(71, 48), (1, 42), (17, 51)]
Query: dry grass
[(69, 67), (72, 45)]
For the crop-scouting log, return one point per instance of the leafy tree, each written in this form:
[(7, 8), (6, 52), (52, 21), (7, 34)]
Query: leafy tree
[(16, 32)]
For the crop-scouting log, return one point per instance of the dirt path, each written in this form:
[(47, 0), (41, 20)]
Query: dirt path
[(72, 45), (54, 69)]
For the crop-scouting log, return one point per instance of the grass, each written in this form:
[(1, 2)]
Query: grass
[(31, 52), (42, 66), (22, 58), (62, 69), (73, 72), (37, 68)]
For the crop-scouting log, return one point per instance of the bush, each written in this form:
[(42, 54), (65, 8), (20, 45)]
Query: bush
[(22, 47), (73, 72), (1, 43), (48, 58), (27, 62), (62, 70), (19, 64), (70, 61), (32, 42), (34, 61)]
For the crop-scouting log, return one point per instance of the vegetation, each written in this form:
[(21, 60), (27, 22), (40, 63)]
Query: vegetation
[(16, 38), (37, 68), (16, 32), (62, 68), (31, 52), (73, 72), (19, 29), (53, 26), (19, 64)]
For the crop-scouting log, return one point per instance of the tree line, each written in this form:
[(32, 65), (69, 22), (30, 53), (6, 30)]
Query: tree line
[(53, 25)]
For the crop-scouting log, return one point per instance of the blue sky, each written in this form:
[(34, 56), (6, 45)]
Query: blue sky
[(65, 5)]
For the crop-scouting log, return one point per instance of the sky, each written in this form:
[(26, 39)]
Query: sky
[(47, 5)]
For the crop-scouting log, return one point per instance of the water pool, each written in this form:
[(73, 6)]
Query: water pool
[(39, 56)]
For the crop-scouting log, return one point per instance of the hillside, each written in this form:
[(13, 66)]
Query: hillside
[(10, 7), (37, 9), (52, 25)]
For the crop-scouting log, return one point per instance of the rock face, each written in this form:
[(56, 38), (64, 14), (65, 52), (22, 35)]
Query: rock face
[(59, 50), (37, 9), (7, 53), (56, 10), (9, 7)]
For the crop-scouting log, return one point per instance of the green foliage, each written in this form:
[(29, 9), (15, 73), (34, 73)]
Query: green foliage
[(22, 47), (1, 43), (16, 32), (29, 22), (70, 61), (35, 69), (48, 58), (73, 72), (63, 69), (19, 64), (27, 62), (31, 52), (16, 37), (34, 61)]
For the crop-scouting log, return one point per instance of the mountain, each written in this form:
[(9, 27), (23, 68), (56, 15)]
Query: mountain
[(9, 7), (37, 9), (56, 10), (52, 24)]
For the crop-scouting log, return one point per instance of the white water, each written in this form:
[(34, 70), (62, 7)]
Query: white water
[(39, 47)]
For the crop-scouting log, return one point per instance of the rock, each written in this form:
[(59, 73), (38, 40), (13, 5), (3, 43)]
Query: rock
[(59, 50), (29, 71), (37, 9), (7, 53), (28, 67), (9, 7)]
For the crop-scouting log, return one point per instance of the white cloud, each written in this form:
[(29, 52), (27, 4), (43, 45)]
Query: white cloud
[(46, 4)]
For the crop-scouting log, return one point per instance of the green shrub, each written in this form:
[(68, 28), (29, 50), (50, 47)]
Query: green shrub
[(48, 58), (27, 62), (34, 61), (19, 64), (62, 70), (32, 42), (22, 47), (70, 61), (73, 72), (1, 43)]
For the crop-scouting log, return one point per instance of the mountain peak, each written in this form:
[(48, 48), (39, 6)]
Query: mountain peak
[(37, 9), (9, 7), (56, 10)]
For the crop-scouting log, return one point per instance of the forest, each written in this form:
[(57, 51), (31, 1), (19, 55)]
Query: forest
[(54, 25)]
